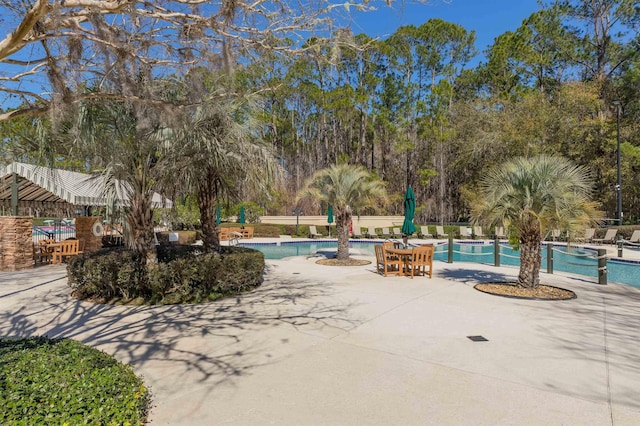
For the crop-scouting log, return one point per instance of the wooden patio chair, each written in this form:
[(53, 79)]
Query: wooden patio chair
[(422, 260), (223, 235), (392, 264)]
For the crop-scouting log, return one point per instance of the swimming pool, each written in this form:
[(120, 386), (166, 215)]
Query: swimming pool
[(580, 261)]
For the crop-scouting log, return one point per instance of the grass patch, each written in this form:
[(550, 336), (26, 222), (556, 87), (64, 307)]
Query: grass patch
[(60, 381)]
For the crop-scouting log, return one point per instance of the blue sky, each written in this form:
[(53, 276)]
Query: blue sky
[(489, 18)]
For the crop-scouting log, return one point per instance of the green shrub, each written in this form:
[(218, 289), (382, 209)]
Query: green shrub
[(183, 275), (108, 274), (57, 381)]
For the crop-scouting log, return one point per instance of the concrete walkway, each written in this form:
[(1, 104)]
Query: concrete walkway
[(319, 345)]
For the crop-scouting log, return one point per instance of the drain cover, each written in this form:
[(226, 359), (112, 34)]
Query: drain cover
[(477, 338)]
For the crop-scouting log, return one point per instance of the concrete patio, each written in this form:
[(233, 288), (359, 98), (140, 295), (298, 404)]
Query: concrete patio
[(343, 345)]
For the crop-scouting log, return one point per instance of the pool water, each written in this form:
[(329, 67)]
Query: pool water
[(580, 261)]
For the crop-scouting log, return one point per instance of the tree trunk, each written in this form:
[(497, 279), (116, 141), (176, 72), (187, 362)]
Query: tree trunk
[(530, 255), (207, 206), (342, 228), (140, 219)]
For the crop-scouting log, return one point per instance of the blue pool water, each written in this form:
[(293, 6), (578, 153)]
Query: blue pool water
[(579, 261)]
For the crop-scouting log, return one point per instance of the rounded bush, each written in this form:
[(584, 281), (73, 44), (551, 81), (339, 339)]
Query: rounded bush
[(60, 381), (183, 274)]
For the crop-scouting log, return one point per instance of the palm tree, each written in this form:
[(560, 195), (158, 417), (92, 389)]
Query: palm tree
[(532, 195), (215, 157), (347, 188), (125, 142)]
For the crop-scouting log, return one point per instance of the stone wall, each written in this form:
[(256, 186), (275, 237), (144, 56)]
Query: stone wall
[(84, 232), (16, 243)]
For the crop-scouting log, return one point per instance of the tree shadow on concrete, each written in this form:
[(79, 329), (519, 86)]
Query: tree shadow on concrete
[(210, 342), (474, 275)]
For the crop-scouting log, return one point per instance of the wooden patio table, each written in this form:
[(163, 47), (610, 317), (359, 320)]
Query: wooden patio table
[(404, 254)]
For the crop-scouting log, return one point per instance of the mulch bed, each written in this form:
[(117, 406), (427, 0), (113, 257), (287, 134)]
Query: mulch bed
[(542, 292), (343, 262)]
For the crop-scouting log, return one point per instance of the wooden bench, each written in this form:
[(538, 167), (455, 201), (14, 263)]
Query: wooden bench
[(64, 249)]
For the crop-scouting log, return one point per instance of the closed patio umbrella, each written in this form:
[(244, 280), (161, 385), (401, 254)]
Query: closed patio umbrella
[(241, 215), (330, 218), (408, 227), (217, 215)]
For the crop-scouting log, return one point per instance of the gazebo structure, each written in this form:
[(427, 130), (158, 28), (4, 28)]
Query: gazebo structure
[(27, 190)]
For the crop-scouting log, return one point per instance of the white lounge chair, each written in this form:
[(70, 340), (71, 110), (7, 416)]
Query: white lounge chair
[(371, 232), (635, 237), (424, 232), (440, 232), (386, 233), (396, 233), (589, 233), (357, 232), (500, 234), (609, 237), (313, 232), (477, 232), (464, 232)]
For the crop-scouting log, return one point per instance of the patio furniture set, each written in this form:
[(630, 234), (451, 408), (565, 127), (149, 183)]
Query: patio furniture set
[(54, 252), (392, 259)]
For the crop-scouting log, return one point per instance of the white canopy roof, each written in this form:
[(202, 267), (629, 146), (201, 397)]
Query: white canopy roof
[(44, 184)]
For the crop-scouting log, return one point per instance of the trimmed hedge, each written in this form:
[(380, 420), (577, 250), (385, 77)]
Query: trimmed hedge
[(60, 381), (183, 275)]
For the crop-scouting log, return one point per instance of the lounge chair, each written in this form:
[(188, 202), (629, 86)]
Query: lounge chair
[(589, 233), (313, 232), (396, 233), (464, 232), (440, 232), (371, 232), (477, 232), (386, 233), (500, 234), (554, 234), (635, 237), (421, 258), (424, 232), (609, 237), (357, 232)]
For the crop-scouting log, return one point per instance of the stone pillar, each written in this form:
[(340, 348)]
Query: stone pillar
[(84, 225), (16, 243)]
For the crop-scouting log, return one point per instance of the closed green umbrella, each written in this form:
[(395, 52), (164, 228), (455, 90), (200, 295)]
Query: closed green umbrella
[(241, 215), (408, 227), (330, 217), (217, 215)]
